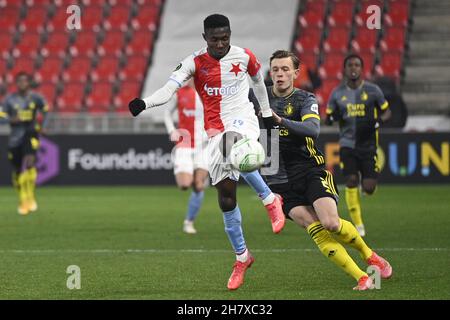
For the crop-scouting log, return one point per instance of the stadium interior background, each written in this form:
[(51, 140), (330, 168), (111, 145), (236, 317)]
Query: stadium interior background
[(127, 48)]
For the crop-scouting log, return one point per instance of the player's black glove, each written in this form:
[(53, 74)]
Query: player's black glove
[(136, 106), (269, 123)]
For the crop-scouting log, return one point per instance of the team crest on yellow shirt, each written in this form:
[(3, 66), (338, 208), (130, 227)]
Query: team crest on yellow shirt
[(364, 96), (32, 105), (288, 109), (344, 98)]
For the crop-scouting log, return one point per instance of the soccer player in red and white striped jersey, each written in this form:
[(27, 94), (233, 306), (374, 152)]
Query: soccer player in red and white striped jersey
[(221, 75)]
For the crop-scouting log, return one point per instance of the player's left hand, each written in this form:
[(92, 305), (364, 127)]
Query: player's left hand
[(136, 106)]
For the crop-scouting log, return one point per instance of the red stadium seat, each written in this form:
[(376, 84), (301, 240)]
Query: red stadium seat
[(332, 66), (155, 3), (118, 19), (50, 70), (6, 43), (127, 92), (38, 3), (341, 14), (147, 18), (99, 100), (78, 70), (365, 39), (337, 40), (141, 43), (112, 44), (58, 22), (368, 58), (362, 17), (311, 19), (390, 65), (309, 40), (48, 90), (135, 69), (9, 19), (398, 14), (20, 64), (85, 44), (92, 17), (309, 59), (106, 70), (56, 45), (35, 20), (324, 92), (394, 39), (28, 45), (71, 99)]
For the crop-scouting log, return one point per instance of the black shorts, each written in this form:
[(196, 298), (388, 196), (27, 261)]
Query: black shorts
[(29, 146), (317, 183), (354, 161)]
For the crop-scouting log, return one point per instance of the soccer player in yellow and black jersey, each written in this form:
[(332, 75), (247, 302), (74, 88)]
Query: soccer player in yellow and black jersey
[(20, 110), (308, 190), (359, 106)]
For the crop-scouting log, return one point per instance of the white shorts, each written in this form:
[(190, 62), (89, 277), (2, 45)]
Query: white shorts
[(188, 160), (220, 168)]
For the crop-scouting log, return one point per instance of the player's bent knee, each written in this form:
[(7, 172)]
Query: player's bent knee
[(352, 181), (331, 224), (227, 204)]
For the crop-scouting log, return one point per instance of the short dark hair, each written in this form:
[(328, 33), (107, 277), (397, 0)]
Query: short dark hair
[(351, 56), (216, 21), (280, 54), (22, 74)]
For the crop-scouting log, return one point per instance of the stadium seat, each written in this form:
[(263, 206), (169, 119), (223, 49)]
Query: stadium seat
[(337, 40), (309, 59), (362, 16), (398, 13), (155, 3), (28, 45), (127, 92), (112, 44), (85, 44), (118, 19), (99, 99), (368, 58), (35, 20), (309, 40), (147, 18), (71, 99), (106, 70), (141, 43), (135, 69), (9, 19), (324, 92), (20, 64), (341, 14), (6, 43), (311, 19), (78, 70), (365, 39), (58, 21), (49, 70), (394, 39), (92, 17), (38, 3), (56, 45), (390, 65), (48, 91), (332, 66)]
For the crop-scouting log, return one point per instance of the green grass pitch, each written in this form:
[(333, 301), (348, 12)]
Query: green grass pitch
[(128, 244)]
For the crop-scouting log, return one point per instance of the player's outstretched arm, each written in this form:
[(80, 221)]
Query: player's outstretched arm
[(259, 89), (310, 127), (160, 97)]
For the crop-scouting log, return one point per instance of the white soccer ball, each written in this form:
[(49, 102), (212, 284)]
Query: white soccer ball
[(247, 155)]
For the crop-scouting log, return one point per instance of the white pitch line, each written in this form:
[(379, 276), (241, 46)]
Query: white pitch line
[(120, 251)]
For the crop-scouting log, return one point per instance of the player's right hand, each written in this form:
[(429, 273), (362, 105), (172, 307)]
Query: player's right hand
[(136, 106)]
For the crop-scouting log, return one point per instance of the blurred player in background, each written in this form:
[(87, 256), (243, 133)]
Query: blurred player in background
[(21, 110), (220, 73), (359, 106), (190, 157), (309, 192)]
